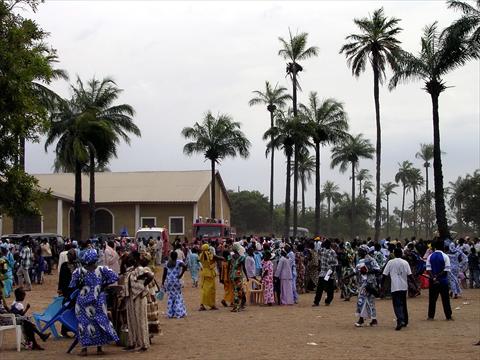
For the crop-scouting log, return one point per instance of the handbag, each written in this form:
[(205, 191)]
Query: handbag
[(160, 293)]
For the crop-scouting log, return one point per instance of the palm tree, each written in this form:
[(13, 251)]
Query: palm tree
[(287, 133), (377, 44), (329, 125), (96, 101), (348, 153), (403, 176), (415, 180), (469, 23), (306, 167), (441, 53), (367, 186), (331, 194), (274, 98), (388, 189), (295, 49), (457, 198), (362, 175), (217, 138), (426, 155), (77, 134)]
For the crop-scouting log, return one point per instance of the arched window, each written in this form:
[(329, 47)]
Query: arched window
[(103, 221)]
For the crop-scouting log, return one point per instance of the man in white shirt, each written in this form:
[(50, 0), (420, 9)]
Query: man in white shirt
[(399, 270)]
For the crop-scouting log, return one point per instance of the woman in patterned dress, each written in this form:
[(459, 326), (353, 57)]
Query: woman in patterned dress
[(267, 279), (94, 327), (172, 274), (236, 276), (300, 264), (311, 273)]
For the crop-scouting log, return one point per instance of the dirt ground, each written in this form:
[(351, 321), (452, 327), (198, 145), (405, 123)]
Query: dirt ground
[(291, 332)]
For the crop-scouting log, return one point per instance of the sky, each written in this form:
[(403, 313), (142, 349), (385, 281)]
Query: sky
[(177, 60)]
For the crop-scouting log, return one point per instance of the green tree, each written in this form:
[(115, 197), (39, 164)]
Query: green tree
[(388, 189), (376, 43), (470, 212), (332, 195), (328, 125), (250, 210), (441, 53), (25, 59), (295, 49), (275, 98), (349, 153), (97, 101), (415, 180), (403, 176), (426, 155), (217, 138), (457, 198)]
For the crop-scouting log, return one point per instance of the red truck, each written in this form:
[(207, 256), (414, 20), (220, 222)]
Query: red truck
[(213, 230)]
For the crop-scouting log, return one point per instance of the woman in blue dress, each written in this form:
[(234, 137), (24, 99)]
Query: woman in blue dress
[(172, 274), (94, 327), (457, 261), (7, 256), (194, 266)]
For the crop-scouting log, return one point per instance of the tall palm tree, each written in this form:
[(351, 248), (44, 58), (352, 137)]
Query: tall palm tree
[(367, 186), (377, 44), (441, 53), (217, 138), (388, 189), (469, 23), (295, 49), (328, 124), (332, 194), (403, 176), (77, 135), (275, 98), (426, 155), (96, 101), (349, 153), (415, 180), (306, 167), (284, 134), (362, 175), (457, 197)]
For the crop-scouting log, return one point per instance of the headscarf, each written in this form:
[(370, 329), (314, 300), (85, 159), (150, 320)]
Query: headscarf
[(238, 248), (452, 248), (365, 248), (206, 254), (90, 257)]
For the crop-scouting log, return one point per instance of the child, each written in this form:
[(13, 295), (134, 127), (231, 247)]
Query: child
[(194, 265), (29, 328)]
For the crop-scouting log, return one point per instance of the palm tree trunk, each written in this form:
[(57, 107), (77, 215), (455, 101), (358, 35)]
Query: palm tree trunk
[(213, 202), (352, 222), (427, 194), (317, 189), (388, 216), (77, 222), (91, 203), (329, 222), (414, 212), (302, 180), (360, 187), (295, 159), (295, 190), (272, 162), (401, 214), (21, 155), (440, 212), (286, 229), (376, 96)]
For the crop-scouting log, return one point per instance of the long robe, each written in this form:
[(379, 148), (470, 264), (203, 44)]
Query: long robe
[(94, 327), (208, 275), (284, 273), (175, 305)]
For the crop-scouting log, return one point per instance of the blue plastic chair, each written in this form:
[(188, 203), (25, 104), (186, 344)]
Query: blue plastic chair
[(48, 314)]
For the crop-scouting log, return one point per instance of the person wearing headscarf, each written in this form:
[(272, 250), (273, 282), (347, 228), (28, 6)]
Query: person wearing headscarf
[(284, 274), (457, 261), (94, 327), (137, 280), (208, 274), (366, 270), (238, 269), (267, 279), (172, 274), (7, 257)]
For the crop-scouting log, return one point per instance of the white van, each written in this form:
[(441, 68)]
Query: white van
[(146, 233)]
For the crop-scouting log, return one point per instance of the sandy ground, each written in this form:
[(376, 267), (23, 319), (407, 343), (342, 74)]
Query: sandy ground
[(293, 332)]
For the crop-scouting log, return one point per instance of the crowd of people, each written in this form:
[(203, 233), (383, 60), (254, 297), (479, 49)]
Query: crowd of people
[(113, 284)]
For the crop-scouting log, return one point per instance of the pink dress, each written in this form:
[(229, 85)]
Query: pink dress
[(267, 282)]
